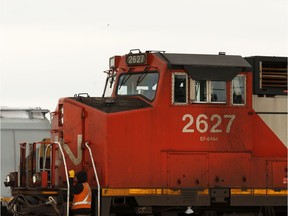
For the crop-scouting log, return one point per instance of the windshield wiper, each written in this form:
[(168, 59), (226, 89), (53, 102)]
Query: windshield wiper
[(141, 78), (125, 79)]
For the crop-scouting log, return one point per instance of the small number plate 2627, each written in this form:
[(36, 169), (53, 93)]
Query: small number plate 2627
[(136, 59)]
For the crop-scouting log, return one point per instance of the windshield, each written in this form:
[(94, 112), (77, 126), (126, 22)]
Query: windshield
[(138, 84)]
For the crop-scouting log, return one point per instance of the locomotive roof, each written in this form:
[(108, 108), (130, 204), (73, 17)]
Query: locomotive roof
[(207, 67)]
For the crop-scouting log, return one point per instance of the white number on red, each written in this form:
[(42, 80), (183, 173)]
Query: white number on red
[(186, 128), (202, 123)]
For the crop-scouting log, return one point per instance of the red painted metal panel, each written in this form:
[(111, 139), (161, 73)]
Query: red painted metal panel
[(232, 170), (279, 174), (186, 170)]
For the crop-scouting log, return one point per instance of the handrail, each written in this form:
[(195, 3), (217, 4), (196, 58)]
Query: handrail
[(67, 176), (97, 179), (45, 156)]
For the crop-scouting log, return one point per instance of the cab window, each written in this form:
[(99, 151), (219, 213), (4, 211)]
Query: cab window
[(144, 84), (218, 91), (200, 91), (109, 86), (179, 88), (238, 90), (207, 91)]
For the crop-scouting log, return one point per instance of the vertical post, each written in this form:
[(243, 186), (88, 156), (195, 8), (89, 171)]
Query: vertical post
[(52, 161), (97, 179), (67, 176), (22, 164)]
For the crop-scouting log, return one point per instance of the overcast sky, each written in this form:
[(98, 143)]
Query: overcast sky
[(57, 48)]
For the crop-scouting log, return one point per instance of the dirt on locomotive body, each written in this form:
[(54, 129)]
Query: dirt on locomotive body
[(173, 134)]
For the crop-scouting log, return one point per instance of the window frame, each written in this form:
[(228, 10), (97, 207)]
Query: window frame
[(140, 95), (210, 89), (245, 91), (208, 92), (173, 88)]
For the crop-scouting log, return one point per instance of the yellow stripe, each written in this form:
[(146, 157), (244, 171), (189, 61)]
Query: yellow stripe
[(259, 192), (281, 192), (138, 191), (270, 192), (204, 192), (49, 192), (241, 192), (159, 191), (171, 192)]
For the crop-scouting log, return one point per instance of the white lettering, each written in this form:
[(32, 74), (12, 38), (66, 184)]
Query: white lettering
[(199, 122), (186, 128), (203, 124)]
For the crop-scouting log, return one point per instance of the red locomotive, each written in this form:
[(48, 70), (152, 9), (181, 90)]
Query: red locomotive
[(179, 133)]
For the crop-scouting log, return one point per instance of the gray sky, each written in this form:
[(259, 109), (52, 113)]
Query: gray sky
[(56, 48)]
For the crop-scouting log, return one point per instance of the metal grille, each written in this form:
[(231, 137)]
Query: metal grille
[(273, 75)]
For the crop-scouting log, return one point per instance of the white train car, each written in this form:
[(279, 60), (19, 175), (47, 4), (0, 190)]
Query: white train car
[(19, 125)]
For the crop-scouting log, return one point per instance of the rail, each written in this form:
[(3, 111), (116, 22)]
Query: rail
[(97, 179), (67, 176), (45, 156)]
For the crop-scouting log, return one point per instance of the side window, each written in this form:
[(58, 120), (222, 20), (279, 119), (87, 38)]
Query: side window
[(218, 91), (109, 86), (179, 88), (201, 91), (207, 91), (238, 90)]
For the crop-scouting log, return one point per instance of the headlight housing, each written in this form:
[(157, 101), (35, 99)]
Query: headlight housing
[(114, 62), (36, 179), (11, 179), (8, 178), (40, 179)]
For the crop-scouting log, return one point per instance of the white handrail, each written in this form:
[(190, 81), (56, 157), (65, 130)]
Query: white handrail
[(67, 176), (97, 179), (45, 155)]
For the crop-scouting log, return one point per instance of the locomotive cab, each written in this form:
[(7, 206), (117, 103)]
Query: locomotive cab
[(200, 82)]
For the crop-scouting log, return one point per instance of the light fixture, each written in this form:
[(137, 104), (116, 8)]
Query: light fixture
[(40, 179), (114, 62), (189, 210), (8, 178), (11, 179), (36, 179)]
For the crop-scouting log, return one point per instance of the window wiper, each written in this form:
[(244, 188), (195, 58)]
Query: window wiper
[(125, 79), (110, 75), (141, 78)]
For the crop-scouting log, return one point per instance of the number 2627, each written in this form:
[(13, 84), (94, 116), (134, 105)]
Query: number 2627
[(203, 123)]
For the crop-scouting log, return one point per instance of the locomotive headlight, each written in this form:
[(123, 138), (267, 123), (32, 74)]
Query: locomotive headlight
[(11, 179), (36, 179), (114, 62), (8, 178)]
